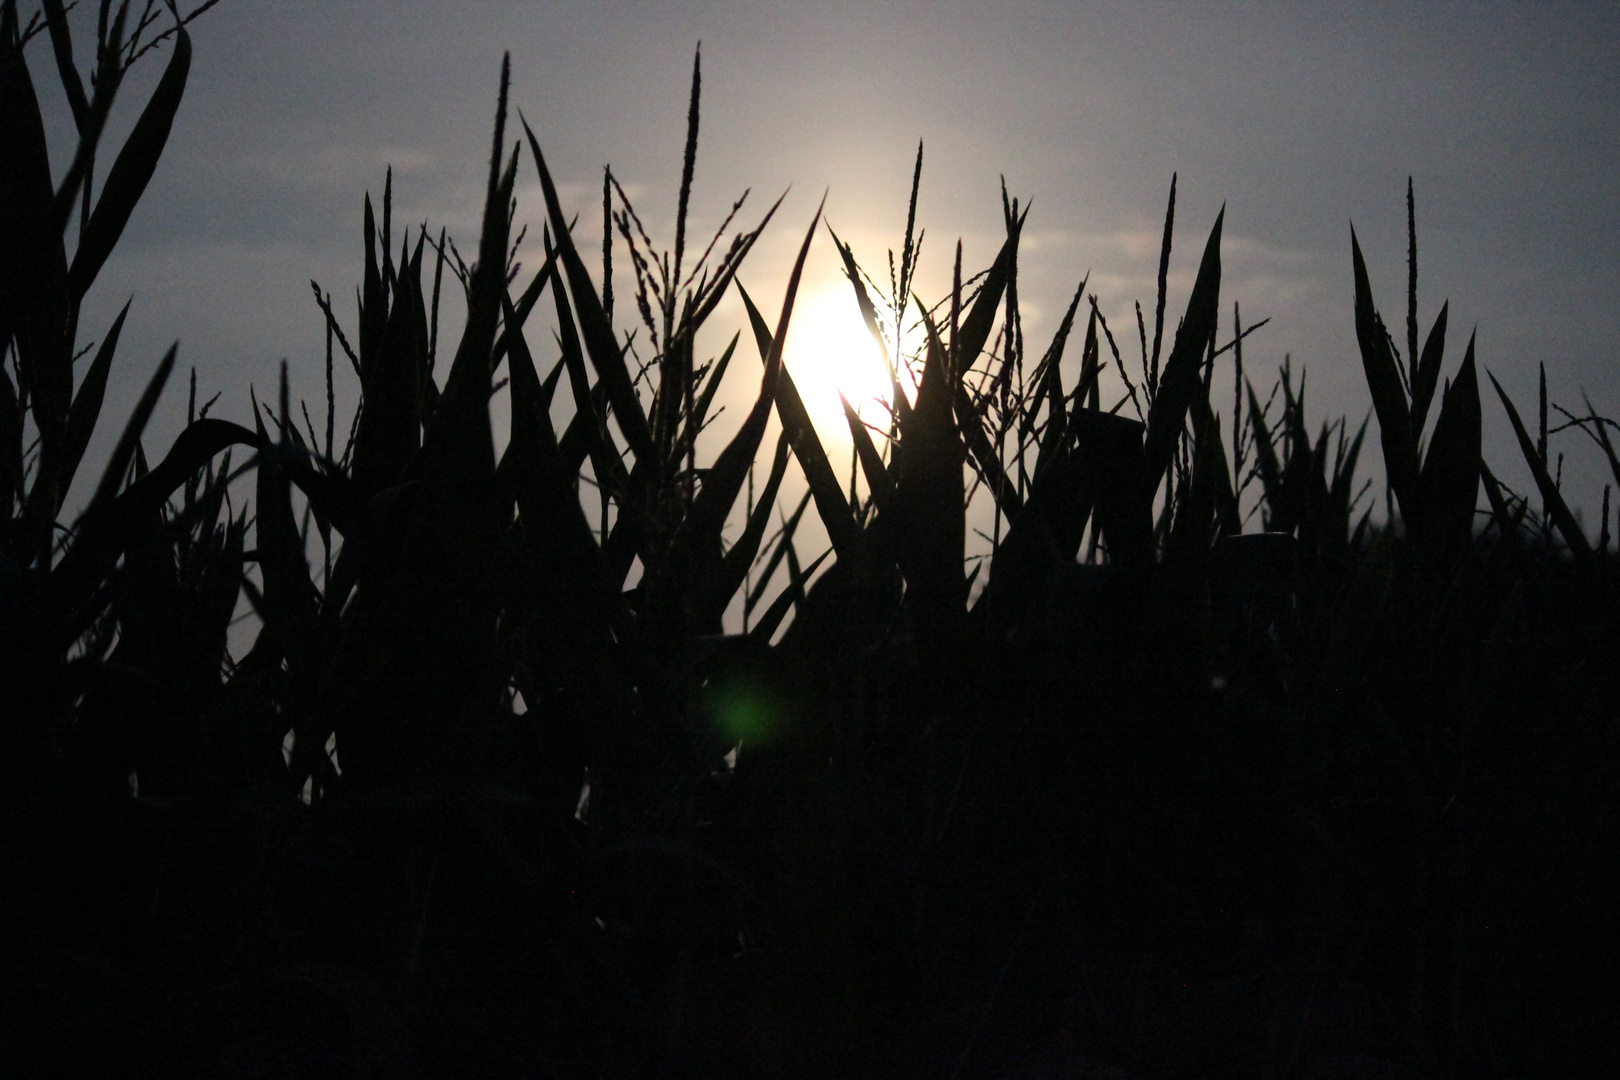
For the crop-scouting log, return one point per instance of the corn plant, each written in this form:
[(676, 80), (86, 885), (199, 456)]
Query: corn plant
[(55, 577)]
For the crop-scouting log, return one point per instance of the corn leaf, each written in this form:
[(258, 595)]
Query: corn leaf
[(1427, 374), (927, 512), (1181, 378), (1384, 382), (877, 474), (733, 569), (599, 342), (828, 493), (131, 171), (1450, 477), (86, 407), (1556, 507)]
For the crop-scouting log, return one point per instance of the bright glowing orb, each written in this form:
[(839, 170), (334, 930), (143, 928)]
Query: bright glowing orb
[(829, 350)]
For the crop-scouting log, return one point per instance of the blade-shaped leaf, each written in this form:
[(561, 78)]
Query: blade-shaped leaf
[(1181, 377), (877, 474), (553, 521), (1450, 477), (828, 493), (599, 342), (1556, 507), (1384, 382), (725, 477), (1427, 375), (87, 405), (790, 597), (734, 568), (131, 170), (927, 513)]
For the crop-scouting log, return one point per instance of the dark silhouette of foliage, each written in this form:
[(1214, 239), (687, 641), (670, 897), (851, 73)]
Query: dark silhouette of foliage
[(494, 792)]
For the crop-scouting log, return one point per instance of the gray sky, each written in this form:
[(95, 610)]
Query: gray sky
[(1301, 118)]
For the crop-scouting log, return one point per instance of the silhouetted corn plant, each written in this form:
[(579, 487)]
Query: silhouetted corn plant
[(1134, 764), (56, 582)]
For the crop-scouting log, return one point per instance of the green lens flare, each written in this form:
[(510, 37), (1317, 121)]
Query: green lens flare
[(744, 713)]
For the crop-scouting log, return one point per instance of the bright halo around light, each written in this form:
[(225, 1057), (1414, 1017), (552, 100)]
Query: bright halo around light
[(830, 350)]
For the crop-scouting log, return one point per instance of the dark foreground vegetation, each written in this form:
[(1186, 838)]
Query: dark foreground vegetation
[(1139, 793)]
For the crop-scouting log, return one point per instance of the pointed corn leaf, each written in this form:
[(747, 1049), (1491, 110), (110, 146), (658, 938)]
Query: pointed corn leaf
[(390, 431), (1427, 375), (1190, 535), (711, 384), (290, 602), (373, 300), (588, 413), (1384, 382), (1181, 377), (975, 330), (852, 273), (1213, 458), (598, 334), (1450, 477), (733, 570), (1279, 513), (1089, 388), (927, 513), (1556, 507), (877, 474), (790, 597), (124, 452), (1344, 473), (131, 171), (783, 542), (553, 521), (725, 477), (62, 45), (824, 486), (87, 405)]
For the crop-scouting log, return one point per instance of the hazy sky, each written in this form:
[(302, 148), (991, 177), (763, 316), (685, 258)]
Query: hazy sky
[(1301, 118)]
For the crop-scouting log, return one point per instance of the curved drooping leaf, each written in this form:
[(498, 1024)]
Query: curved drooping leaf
[(131, 171)]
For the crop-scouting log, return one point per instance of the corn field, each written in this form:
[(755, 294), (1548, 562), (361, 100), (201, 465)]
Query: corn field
[(1220, 762)]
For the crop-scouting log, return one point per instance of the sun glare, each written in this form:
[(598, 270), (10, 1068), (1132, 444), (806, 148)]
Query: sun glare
[(829, 350)]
